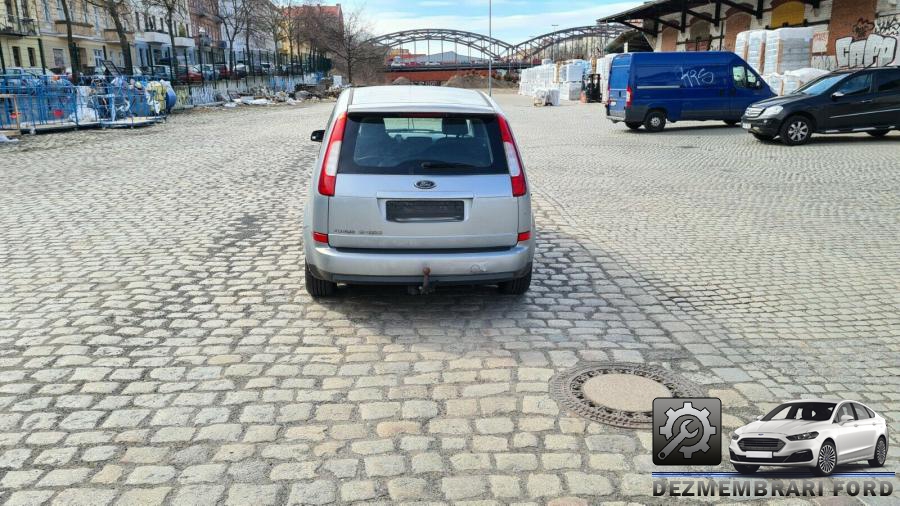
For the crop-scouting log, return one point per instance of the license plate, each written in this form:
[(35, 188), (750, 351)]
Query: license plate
[(424, 210), (745, 125), (759, 455)]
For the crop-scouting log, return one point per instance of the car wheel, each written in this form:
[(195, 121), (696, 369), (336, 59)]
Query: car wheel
[(796, 130), (318, 287), (880, 453), (878, 133), (731, 122), (827, 460), (745, 469), (762, 137), (517, 286), (655, 121), (634, 125)]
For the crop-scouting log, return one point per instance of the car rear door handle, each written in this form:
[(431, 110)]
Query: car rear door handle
[(865, 101)]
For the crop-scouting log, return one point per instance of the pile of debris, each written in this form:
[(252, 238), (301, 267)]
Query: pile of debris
[(476, 81)]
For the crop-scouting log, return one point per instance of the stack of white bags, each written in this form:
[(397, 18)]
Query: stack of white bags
[(787, 49)]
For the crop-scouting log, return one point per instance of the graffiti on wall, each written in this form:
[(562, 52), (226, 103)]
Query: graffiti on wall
[(872, 43)]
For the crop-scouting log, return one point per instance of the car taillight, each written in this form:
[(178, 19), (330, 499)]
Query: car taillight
[(513, 160), (628, 96), (524, 236), (320, 237), (328, 176)]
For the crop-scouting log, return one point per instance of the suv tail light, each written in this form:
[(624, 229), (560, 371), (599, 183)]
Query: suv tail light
[(628, 96), (513, 160), (328, 176)]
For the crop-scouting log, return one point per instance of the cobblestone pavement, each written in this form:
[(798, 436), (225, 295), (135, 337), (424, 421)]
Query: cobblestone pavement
[(157, 346)]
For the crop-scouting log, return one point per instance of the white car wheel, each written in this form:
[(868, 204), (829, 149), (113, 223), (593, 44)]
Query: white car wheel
[(827, 460)]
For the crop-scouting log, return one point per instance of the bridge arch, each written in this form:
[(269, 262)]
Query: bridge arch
[(486, 46)]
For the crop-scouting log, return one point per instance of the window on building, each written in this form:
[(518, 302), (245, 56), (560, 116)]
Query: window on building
[(32, 57), (25, 11), (46, 5), (97, 19), (98, 58), (17, 56), (60, 12), (59, 58)]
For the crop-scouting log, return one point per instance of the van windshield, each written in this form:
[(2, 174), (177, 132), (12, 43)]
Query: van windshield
[(422, 144)]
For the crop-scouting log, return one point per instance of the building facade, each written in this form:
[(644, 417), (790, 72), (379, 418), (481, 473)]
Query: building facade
[(19, 41), (847, 33)]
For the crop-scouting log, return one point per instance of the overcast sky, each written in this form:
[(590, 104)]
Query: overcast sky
[(513, 20)]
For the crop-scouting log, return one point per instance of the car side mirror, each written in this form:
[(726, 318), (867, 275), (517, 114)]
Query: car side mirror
[(317, 135), (846, 418), (834, 96), (759, 417)]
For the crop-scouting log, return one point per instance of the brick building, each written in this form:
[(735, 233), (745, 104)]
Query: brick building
[(848, 33)]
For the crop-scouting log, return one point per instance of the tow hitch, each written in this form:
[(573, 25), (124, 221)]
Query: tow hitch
[(425, 287)]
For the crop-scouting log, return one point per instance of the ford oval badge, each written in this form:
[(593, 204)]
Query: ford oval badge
[(425, 184)]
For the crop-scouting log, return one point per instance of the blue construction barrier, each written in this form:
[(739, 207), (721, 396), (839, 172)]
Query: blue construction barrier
[(46, 103)]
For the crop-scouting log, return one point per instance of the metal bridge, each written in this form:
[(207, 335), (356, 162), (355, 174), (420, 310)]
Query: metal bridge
[(579, 41)]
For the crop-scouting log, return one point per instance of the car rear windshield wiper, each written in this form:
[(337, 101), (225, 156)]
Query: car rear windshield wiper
[(447, 165)]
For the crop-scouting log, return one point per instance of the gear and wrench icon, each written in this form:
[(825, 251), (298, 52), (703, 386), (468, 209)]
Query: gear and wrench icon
[(702, 416)]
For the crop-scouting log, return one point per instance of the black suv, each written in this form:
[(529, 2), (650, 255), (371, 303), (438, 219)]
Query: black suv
[(866, 100)]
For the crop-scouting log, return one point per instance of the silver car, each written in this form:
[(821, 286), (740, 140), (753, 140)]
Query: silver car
[(417, 186)]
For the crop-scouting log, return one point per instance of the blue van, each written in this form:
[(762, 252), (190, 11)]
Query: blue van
[(650, 89)]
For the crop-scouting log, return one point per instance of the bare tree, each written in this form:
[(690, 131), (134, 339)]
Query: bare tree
[(233, 15), (117, 10), (70, 41), (171, 9), (345, 38), (270, 21)]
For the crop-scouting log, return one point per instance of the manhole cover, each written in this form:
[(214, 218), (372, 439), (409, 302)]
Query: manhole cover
[(618, 394)]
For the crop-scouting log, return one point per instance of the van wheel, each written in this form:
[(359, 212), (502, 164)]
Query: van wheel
[(655, 121), (878, 133), (517, 286), (796, 130), (634, 125), (318, 287)]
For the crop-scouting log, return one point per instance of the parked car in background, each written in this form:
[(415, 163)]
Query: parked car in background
[(239, 71), (849, 101), (417, 186), (222, 71), (812, 433), (651, 89), (208, 71)]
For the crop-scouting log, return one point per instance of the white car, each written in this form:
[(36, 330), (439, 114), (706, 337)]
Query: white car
[(816, 433), (418, 186)]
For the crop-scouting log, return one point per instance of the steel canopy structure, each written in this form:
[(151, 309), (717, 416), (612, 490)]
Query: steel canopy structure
[(497, 49)]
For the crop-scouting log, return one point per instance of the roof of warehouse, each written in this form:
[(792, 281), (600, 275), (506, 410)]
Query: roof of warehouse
[(653, 9)]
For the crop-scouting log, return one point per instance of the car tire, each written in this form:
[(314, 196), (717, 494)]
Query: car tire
[(762, 137), (745, 469), (880, 453), (796, 130), (878, 133), (517, 286), (827, 460), (634, 125), (318, 287), (655, 121)]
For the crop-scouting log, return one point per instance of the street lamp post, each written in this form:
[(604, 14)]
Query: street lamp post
[(490, 58)]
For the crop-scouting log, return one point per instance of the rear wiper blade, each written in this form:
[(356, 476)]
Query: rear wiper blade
[(446, 165)]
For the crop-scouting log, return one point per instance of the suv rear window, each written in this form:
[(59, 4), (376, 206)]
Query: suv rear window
[(422, 144)]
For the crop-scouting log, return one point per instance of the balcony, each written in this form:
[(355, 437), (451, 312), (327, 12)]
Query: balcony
[(155, 37), (111, 35), (11, 25), (78, 29), (204, 40)]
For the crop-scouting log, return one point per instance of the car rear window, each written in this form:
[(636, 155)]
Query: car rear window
[(418, 144)]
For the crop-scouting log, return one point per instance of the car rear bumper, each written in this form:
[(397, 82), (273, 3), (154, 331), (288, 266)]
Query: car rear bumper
[(397, 267), (768, 126)]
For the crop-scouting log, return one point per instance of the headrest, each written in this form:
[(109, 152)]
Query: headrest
[(455, 126), (372, 126)]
